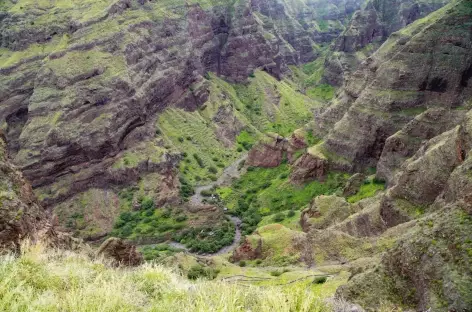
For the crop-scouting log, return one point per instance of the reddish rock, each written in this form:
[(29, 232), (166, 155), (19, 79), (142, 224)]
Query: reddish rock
[(247, 252), (309, 167), (121, 252)]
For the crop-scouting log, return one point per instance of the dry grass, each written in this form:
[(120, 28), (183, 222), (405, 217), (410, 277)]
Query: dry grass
[(56, 280)]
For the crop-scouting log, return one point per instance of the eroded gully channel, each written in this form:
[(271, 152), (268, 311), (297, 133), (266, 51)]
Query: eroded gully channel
[(231, 172)]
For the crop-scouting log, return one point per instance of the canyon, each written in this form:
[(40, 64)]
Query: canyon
[(252, 139)]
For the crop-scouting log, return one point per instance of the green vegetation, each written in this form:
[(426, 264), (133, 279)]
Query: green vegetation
[(158, 252), (199, 271), (261, 192), (323, 91), (291, 222), (186, 190), (54, 280), (87, 214), (246, 140), (368, 189), (146, 223), (263, 105), (203, 150), (277, 244), (207, 239), (320, 280)]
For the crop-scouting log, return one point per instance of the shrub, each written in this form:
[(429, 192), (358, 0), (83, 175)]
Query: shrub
[(239, 149), (206, 193), (181, 218), (266, 185), (213, 170), (320, 279), (181, 139), (247, 146), (279, 217), (166, 214), (199, 161), (291, 213), (378, 181), (275, 273), (147, 203), (258, 261), (242, 263), (186, 190), (198, 271), (195, 272)]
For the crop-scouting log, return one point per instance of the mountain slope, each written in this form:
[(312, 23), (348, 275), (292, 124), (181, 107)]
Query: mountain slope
[(406, 112)]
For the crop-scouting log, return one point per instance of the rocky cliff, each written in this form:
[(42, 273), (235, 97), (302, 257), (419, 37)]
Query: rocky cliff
[(81, 83), (368, 29), (405, 112), (20, 214), (419, 70)]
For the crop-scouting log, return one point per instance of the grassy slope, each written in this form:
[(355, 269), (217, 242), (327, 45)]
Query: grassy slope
[(267, 192), (47, 280), (262, 105)]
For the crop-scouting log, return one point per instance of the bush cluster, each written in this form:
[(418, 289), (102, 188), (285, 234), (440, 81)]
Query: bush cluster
[(207, 239), (199, 271), (158, 252), (186, 190), (147, 222), (199, 161)]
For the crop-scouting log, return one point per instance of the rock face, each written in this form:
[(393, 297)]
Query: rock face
[(246, 251), (370, 27), (268, 154), (428, 268), (353, 184), (325, 211), (395, 85), (273, 149), (99, 83), (121, 252), (21, 216), (309, 167), (406, 112)]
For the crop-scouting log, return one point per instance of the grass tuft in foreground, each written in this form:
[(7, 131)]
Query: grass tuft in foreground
[(54, 280)]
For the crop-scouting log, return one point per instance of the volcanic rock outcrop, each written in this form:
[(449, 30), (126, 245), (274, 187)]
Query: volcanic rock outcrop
[(21, 216), (368, 28), (120, 252)]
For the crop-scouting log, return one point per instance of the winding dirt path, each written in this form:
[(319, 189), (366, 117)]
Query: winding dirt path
[(231, 172)]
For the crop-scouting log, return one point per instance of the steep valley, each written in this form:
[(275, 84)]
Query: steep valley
[(235, 155)]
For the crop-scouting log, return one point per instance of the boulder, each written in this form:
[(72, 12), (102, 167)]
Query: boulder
[(309, 167), (353, 184), (246, 251), (120, 252)]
